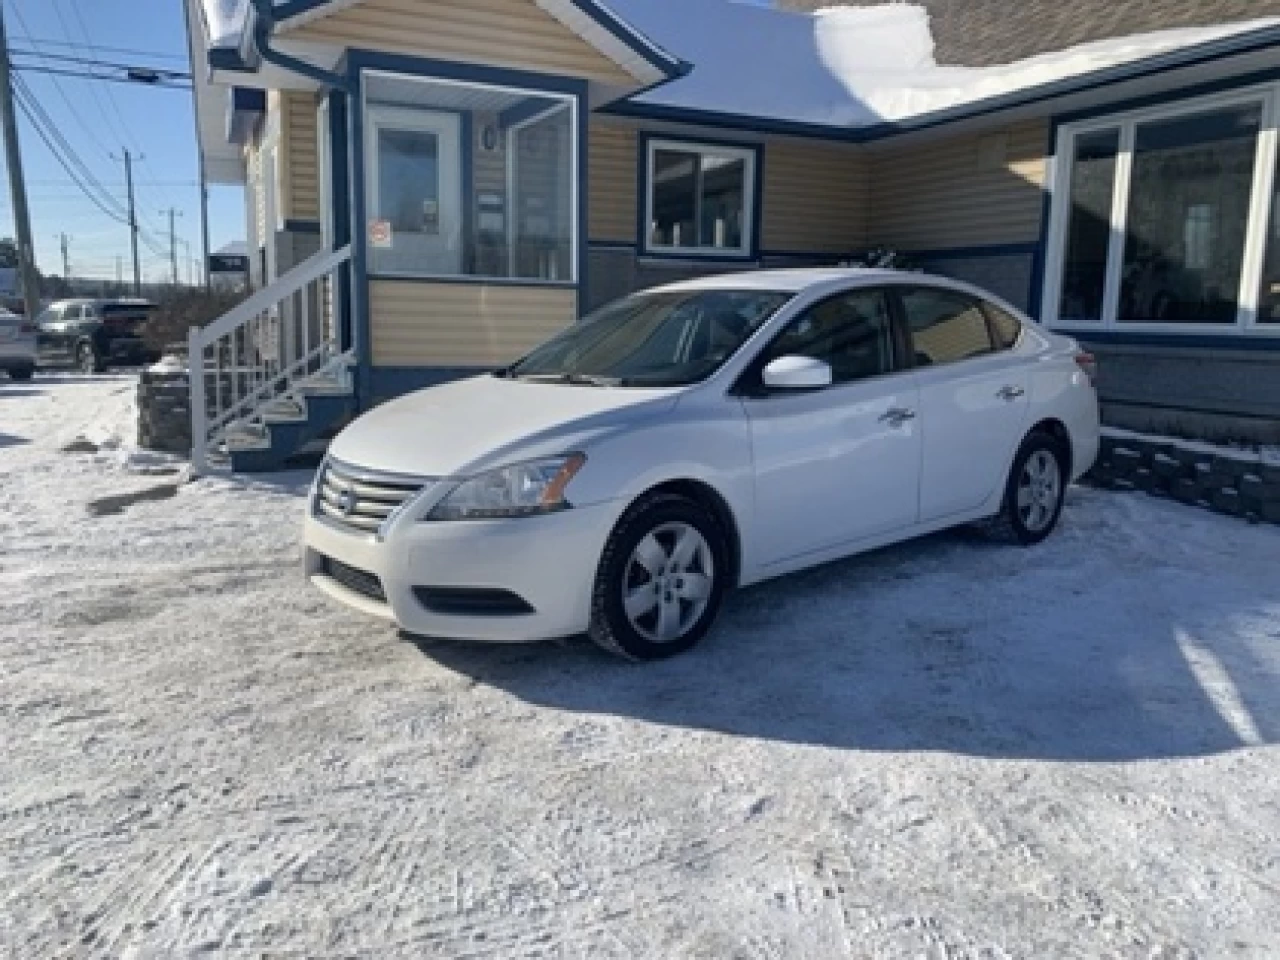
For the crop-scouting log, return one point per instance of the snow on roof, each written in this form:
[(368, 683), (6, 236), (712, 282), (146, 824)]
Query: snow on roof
[(854, 66)]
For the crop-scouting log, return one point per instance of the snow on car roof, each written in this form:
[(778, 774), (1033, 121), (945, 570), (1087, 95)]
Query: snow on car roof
[(854, 66), (782, 281)]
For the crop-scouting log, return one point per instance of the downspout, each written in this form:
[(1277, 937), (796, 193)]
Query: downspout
[(264, 22)]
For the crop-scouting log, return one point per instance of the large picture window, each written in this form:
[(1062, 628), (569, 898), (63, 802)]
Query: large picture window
[(699, 199), (470, 180), (1162, 219)]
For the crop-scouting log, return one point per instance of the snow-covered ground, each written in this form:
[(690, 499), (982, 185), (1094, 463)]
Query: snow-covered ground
[(947, 749)]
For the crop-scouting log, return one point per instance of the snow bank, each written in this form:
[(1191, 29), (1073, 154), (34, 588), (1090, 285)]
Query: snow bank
[(853, 66)]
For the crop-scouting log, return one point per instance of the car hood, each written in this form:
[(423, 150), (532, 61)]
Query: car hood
[(463, 427)]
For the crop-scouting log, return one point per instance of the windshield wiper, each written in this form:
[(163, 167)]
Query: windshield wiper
[(575, 379)]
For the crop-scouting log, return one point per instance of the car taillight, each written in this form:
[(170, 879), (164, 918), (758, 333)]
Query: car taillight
[(1089, 364)]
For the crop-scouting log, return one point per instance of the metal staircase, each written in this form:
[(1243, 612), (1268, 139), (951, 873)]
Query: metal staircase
[(268, 379)]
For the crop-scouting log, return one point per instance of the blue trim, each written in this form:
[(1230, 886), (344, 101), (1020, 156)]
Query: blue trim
[(264, 22), (293, 8), (612, 244), (1028, 248), (476, 281), (1189, 341), (1035, 296), (339, 187), (246, 106), (713, 255), (584, 193), (359, 59), (302, 226), (1199, 54), (228, 59), (1165, 99), (652, 53), (361, 341)]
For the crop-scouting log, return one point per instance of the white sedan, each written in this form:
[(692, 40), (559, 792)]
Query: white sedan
[(703, 435)]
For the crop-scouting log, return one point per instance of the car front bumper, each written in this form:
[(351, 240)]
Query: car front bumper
[(17, 354), (549, 563)]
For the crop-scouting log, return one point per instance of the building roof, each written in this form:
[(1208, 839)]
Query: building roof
[(864, 67), (983, 33)]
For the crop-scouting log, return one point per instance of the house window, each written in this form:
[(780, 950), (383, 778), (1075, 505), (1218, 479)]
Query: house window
[(1159, 218), (699, 199), (470, 180)]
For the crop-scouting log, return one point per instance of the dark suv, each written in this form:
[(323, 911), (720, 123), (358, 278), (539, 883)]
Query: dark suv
[(93, 334)]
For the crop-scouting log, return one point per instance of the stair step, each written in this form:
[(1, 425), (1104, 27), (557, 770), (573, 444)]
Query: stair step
[(322, 385)]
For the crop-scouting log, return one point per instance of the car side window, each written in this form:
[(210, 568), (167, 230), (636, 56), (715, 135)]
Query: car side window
[(945, 326), (49, 316), (853, 332), (1005, 327)]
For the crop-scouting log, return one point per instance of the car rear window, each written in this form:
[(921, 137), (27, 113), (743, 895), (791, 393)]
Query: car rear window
[(126, 311), (1005, 327)]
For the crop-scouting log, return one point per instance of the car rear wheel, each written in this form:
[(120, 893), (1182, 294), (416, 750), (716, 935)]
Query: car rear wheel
[(1035, 491), (661, 579), (21, 373)]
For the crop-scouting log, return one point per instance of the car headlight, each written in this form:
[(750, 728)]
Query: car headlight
[(521, 490)]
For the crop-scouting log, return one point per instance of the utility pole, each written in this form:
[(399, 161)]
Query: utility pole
[(17, 184), (119, 271), (173, 243), (133, 221), (66, 258)]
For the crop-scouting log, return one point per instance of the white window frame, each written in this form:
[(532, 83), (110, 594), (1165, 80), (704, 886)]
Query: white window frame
[(575, 180), (1127, 122), (745, 250)]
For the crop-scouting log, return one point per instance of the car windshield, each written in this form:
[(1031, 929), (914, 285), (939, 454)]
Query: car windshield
[(665, 339)]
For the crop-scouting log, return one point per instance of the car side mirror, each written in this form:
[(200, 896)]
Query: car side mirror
[(797, 373)]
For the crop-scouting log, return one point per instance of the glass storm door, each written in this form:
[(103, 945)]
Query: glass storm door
[(415, 191)]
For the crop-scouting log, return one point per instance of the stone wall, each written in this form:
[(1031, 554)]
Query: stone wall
[(164, 412), (1237, 486)]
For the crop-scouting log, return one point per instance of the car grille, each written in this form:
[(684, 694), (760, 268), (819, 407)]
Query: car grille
[(360, 499), (357, 581)]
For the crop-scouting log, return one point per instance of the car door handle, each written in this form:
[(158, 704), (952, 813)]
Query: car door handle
[(1010, 393), (897, 416)]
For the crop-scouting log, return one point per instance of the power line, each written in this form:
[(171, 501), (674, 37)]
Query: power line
[(124, 51), (159, 72), (107, 78), (22, 104)]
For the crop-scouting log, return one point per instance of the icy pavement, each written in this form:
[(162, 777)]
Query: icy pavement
[(948, 749)]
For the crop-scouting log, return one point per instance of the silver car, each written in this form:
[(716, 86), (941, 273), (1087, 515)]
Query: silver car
[(17, 345)]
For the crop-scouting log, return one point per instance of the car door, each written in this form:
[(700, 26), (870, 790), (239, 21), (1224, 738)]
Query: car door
[(840, 464), (973, 400)]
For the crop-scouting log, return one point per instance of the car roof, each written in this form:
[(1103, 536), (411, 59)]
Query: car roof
[(821, 280)]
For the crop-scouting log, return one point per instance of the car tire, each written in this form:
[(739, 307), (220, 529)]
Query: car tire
[(1034, 492), (672, 607), (87, 359), (21, 373)]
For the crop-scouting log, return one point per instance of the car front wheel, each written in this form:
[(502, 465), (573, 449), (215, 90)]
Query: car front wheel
[(87, 359), (661, 579), (21, 373)]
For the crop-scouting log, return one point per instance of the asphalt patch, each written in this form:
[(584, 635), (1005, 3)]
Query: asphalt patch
[(119, 503)]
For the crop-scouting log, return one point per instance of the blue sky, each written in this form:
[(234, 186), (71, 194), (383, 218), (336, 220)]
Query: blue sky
[(99, 119)]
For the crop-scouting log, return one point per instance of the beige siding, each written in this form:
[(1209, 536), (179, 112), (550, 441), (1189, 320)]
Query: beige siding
[(299, 166), (815, 198), (611, 174), (961, 192), (503, 33), (463, 324)]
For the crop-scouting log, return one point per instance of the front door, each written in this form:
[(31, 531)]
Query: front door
[(973, 401), (841, 464), (415, 191)]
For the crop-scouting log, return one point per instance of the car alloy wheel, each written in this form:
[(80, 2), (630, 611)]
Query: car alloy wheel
[(1039, 490), (661, 578), (85, 359), (668, 581)]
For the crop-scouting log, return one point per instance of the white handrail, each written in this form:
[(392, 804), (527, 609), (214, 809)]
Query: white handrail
[(310, 270), (260, 351)]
